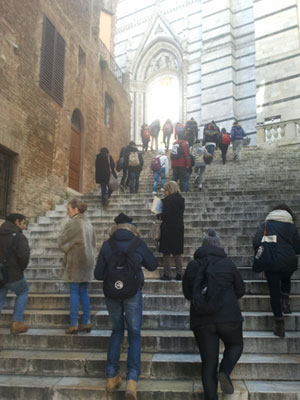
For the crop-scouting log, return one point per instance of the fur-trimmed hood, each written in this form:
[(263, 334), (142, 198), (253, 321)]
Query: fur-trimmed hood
[(127, 227)]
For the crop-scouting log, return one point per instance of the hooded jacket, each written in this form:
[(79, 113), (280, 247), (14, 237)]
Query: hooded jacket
[(19, 260), (229, 280), (133, 149), (237, 133), (281, 224), (124, 235)]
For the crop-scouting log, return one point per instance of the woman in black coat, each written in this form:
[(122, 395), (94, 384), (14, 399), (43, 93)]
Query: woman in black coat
[(280, 222), (225, 324), (172, 230), (104, 164)]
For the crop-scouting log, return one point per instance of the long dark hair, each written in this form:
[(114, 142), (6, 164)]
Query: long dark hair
[(286, 208)]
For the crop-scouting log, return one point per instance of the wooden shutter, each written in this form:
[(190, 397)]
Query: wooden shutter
[(52, 62)]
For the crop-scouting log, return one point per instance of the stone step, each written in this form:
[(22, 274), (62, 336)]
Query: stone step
[(152, 319), (153, 341), (153, 365), (150, 286), (83, 388), (151, 301)]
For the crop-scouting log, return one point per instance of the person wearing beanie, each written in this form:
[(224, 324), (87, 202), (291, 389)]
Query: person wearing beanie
[(124, 235), (225, 323)]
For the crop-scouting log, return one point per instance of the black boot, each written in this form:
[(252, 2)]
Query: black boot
[(285, 303), (279, 327)]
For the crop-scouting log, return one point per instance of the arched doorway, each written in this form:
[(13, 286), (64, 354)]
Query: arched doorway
[(75, 151)]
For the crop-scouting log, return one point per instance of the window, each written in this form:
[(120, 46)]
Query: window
[(52, 62), (81, 62), (105, 29), (108, 111)]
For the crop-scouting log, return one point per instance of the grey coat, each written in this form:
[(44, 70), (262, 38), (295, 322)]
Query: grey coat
[(77, 241)]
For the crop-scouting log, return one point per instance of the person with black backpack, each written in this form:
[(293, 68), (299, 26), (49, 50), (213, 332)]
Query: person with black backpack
[(213, 285), (14, 258), (119, 266)]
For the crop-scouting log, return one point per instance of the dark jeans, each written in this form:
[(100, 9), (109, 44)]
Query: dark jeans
[(166, 139), (179, 173), (104, 190), (278, 282), (124, 181), (134, 178), (145, 145), (224, 148), (207, 338)]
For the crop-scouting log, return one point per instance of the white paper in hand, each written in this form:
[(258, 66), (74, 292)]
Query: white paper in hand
[(157, 205)]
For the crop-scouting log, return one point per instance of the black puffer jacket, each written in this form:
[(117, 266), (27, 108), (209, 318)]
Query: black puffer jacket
[(288, 243), (103, 165), (229, 279), (172, 226), (20, 258)]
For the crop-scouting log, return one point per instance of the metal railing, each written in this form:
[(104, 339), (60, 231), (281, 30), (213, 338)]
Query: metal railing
[(105, 56)]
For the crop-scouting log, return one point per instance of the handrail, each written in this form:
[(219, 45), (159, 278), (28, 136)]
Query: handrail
[(111, 62)]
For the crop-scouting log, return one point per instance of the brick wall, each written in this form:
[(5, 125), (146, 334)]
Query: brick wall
[(32, 124)]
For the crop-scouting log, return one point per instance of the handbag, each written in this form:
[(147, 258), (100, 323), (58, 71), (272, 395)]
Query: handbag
[(113, 183), (154, 232), (265, 257)]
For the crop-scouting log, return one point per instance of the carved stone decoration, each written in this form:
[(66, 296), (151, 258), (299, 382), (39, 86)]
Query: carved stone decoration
[(161, 62), (158, 29)]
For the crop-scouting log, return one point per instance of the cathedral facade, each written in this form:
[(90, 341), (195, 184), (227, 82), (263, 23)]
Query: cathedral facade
[(221, 60)]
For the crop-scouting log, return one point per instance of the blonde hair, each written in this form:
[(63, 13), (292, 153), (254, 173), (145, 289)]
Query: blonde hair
[(77, 203), (171, 187)]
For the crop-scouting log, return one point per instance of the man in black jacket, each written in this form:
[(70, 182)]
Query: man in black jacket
[(14, 249), (225, 323)]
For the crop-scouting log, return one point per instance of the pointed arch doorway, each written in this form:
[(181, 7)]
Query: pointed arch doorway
[(75, 151)]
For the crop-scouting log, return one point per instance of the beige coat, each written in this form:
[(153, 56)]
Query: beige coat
[(77, 241)]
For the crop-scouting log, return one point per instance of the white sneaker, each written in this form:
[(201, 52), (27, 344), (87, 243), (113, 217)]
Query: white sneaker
[(200, 186), (162, 189), (154, 193)]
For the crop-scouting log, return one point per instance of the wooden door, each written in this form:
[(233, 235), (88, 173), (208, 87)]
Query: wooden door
[(74, 165)]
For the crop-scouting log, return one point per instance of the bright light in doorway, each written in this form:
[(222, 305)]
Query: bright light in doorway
[(162, 99)]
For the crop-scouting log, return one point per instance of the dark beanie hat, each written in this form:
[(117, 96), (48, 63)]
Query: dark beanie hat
[(211, 238), (122, 219)]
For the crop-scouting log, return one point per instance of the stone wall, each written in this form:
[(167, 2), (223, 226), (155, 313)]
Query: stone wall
[(33, 126)]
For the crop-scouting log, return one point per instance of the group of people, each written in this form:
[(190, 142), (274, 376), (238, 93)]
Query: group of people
[(210, 276)]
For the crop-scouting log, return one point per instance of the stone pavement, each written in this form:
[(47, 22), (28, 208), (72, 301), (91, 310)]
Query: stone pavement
[(44, 363)]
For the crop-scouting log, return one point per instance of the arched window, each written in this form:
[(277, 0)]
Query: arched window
[(75, 150)]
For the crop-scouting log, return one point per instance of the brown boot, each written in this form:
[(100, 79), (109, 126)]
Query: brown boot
[(113, 383), (84, 328), (131, 390), (18, 327), (72, 330), (279, 327)]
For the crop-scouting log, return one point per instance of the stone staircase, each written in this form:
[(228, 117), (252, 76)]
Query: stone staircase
[(45, 364)]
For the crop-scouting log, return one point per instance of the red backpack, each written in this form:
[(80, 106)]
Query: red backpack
[(155, 164), (225, 139), (146, 134)]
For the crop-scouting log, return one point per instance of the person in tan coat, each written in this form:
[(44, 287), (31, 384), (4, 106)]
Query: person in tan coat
[(77, 241)]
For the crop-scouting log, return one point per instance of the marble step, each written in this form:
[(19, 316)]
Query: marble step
[(153, 365), (81, 388), (150, 286), (153, 341), (152, 319), (151, 302)]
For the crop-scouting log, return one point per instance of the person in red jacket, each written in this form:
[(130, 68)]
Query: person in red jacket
[(180, 159)]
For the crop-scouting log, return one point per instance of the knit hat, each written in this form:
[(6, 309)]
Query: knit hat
[(211, 238), (122, 219)]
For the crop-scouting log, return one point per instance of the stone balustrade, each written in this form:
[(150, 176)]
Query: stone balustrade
[(283, 132)]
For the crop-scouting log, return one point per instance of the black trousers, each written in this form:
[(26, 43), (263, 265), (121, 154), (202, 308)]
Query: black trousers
[(278, 282), (179, 173), (224, 148), (207, 338)]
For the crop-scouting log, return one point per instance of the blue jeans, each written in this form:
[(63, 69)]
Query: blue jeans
[(104, 190), (20, 288), (78, 291), (131, 311), (199, 171), (134, 181), (159, 174), (210, 148), (186, 183)]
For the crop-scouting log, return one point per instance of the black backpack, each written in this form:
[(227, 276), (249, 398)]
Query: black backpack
[(3, 264), (176, 151), (206, 292), (121, 280)]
